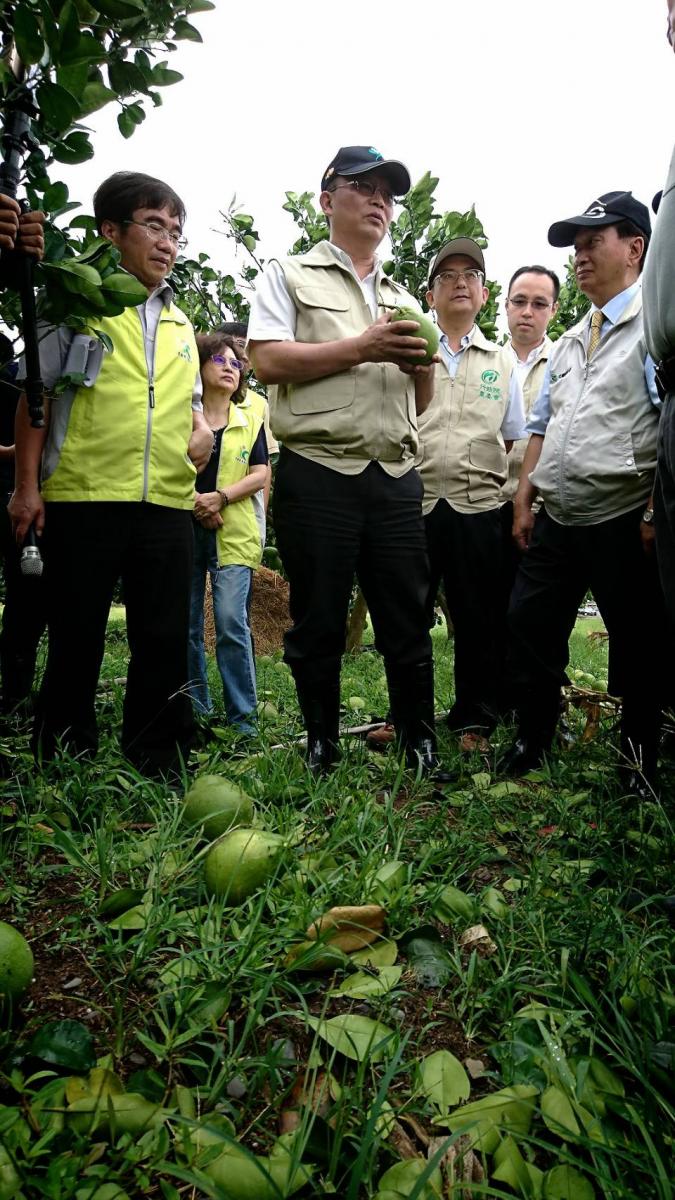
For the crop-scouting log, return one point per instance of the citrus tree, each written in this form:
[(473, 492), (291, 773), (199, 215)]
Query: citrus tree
[(59, 63)]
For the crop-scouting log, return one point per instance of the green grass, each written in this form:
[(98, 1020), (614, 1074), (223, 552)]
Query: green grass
[(198, 1010)]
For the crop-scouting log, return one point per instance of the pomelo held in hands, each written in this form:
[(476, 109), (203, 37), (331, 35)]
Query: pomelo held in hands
[(427, 330)]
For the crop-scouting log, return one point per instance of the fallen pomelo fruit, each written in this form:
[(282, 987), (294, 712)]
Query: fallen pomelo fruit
[(427, 330), (241, 861), (217, 804), (16, 963)]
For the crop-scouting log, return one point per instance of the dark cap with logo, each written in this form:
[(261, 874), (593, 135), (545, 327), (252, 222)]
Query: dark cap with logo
[(356, 160), (608, 209)]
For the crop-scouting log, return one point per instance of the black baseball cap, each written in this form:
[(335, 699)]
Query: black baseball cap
[(608, 209), (656, 202), (356, 160)]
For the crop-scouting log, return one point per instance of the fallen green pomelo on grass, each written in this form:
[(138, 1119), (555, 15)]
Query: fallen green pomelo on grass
[(356, 703), (16, 963), (216, 804), (240, 862), (427, 330), (114, 1114)]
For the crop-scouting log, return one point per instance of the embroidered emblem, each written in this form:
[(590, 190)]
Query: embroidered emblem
[(596, 209), (375, 153), (490, 376), (555, 378), (185, 352), (329, 172), (242, 456)]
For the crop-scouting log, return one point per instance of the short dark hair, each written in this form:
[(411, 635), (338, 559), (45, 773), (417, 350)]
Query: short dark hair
[(212, 343), (628, 229), (238, 329), (536, 269), (121, 194)]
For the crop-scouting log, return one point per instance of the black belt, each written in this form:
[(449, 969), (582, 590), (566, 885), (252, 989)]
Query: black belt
[(665, 377)]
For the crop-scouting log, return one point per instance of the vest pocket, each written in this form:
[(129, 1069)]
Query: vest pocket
[(319, 297), (487, 456), (324, 396)]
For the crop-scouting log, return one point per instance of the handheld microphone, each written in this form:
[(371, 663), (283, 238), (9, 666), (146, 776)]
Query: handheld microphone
[(31, 559)]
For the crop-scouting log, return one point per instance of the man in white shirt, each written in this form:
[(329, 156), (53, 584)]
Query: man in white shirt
[(591, 457), (347, 499)]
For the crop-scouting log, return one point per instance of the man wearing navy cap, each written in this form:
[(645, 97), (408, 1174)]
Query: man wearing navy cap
[(347, 499), (592, 457)]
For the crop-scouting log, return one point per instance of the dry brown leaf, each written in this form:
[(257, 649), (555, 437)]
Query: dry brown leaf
[(475, 1066), (420, 1133), (350, 927), (477, 935), (314, 1094), (402, 1143), (460, 1165)]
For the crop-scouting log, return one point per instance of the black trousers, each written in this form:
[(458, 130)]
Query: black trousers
[(330, 527), (23, 620), (664, 504), (466, 553), (561, 565), (88, 547)]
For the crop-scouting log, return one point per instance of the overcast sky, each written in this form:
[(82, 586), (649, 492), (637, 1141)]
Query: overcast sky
[(527, 108)]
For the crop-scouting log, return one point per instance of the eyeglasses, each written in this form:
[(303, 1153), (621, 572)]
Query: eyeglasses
[(471, 276), (221, 360), (367, 187), (521, 302), (157, 233)]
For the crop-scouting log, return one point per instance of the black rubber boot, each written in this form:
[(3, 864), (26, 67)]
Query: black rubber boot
[(319, 700), (411, 702)]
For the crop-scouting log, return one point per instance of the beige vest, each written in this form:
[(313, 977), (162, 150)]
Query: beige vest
[(462, 458), (353, 417), (599, 453), (531, 388)]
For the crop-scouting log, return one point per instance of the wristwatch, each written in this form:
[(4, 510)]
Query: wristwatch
[(648, 516)]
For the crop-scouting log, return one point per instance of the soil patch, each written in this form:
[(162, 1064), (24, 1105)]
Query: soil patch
[(269, 612)]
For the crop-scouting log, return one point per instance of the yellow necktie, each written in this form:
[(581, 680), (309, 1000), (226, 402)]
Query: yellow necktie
[(596, 321)]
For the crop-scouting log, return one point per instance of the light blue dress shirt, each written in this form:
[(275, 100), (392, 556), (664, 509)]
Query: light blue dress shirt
[(513, 425), (540, 413)]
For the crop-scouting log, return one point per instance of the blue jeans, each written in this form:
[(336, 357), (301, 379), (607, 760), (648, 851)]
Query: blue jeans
[(231, 590)]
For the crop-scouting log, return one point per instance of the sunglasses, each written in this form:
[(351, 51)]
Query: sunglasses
[(221, 360)]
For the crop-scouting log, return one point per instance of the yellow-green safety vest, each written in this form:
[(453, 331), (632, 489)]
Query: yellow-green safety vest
[(127, 435), (238, 538)]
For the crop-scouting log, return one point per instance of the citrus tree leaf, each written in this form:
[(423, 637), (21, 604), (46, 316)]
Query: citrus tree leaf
[(454, 903), (564, 1183), (413, 1177), (382, 953), (354, 1036), (427, 956), (443, 1080), (65, 1044), (558, 1113), (361, 983)]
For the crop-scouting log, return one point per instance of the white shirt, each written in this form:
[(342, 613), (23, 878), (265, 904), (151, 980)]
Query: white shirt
[(523, 367), (273, 316)]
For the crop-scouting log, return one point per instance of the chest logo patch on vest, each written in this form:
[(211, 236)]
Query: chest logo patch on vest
[(490, 376), (242, 456), (184, 351), (555, 378)]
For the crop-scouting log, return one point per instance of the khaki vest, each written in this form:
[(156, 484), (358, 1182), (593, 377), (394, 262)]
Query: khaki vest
[(531, 389), (462, 458), (353, 417), (121, 442), (599, 453)]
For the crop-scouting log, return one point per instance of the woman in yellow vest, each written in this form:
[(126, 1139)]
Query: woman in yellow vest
[(227, 539)]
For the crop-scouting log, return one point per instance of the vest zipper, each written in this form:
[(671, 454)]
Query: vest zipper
[(150, 362)]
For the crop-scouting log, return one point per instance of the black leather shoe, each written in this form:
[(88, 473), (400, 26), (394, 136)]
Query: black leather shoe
[(522, 756), (322, 755), (423, 756)]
